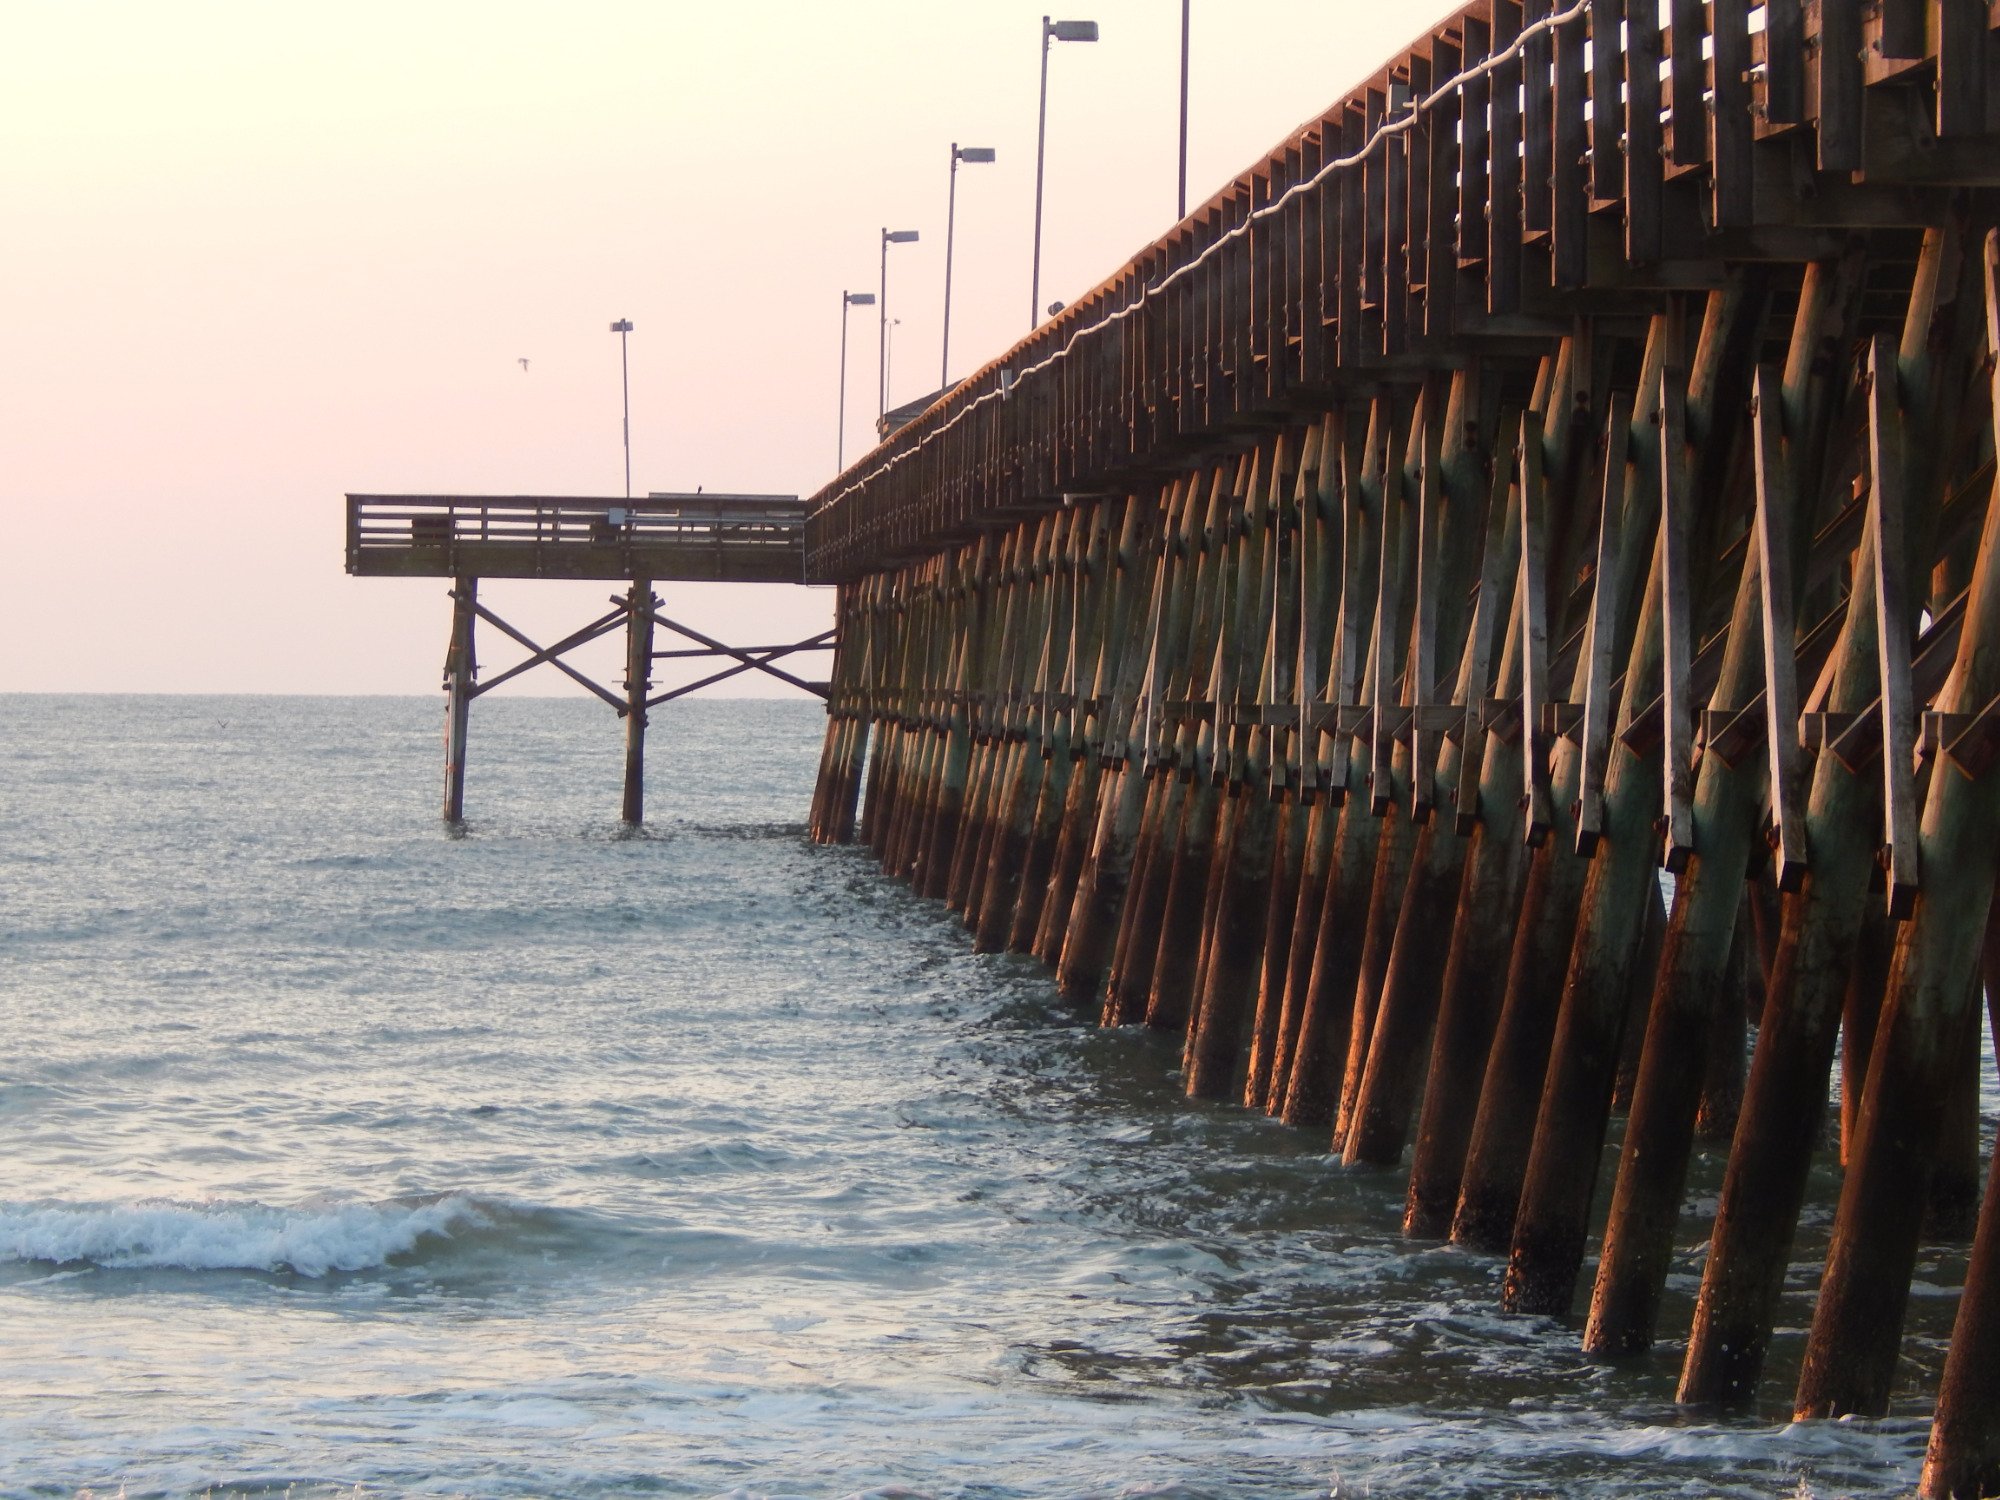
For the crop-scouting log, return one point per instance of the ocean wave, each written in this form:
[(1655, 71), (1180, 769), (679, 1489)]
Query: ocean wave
[(312, 1239)]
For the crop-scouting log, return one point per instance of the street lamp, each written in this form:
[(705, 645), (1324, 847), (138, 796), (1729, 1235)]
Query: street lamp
[(889, 237), (958, 154), (1052, 31), (847, 300), (622, 327), (1185, 4)]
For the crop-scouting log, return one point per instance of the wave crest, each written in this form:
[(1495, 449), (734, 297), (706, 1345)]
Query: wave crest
[(312, 1239)]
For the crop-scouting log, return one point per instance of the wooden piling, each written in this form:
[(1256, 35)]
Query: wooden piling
[(1857, 1323), (461, 668), (638, 681)]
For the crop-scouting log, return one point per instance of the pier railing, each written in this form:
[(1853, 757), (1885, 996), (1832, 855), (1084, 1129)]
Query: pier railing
[(734, 538), (1522, 164)]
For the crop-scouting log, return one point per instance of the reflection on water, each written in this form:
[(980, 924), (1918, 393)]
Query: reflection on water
[(549, 1161)]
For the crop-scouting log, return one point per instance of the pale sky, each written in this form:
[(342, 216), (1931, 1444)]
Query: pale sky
[(255, 256)]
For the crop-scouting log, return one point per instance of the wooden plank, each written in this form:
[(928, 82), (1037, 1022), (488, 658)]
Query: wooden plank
[(1886, 512), (1607, 110), (1503, 204), (1732, 125), (1838, 63), (1317, 259), (1676, 603), (1569, 185), (1961, 67), (1417, 202), (1902, 32), (1776, 505), (1687, 82), (1645, 171), (1785, 61), (1474, 149), (1600, 665), (1375, 207), (1537, 126), (1532, 598), (1396, 156), (1440, 239), (1353, 241)]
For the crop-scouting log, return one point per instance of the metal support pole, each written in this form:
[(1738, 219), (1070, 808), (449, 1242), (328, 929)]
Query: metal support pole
[(622, 327), (1041, 141), (882, 348), (638, 678), (840, 442), (1182, 201), (460, 668), (950, 227)]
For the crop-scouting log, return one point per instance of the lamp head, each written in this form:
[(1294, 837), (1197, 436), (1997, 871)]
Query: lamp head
[(1072, 31), (623, 325), (898, 236), (972, 153), (859, 299)]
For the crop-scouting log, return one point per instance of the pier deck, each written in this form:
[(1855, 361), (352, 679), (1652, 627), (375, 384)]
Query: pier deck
[(665, 537)]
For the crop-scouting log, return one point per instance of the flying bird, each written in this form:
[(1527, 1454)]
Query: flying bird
[(524, 367)]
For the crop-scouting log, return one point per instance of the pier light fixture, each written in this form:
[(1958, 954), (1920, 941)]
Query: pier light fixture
[(847, 300), (976, 155), (1052, 31), (1186, 6), (889, 237), (622, 327)]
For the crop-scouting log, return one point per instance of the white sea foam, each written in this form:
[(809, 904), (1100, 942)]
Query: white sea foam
[(312, 1239)]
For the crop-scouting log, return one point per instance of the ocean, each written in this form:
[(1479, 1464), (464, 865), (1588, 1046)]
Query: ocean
[(345, 1157)]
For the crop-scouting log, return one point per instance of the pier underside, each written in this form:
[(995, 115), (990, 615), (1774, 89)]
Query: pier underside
[(1570, 459)]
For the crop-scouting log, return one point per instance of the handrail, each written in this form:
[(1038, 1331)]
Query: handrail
[(1269, 211)]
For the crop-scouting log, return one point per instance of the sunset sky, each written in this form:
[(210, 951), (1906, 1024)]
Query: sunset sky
[(257, 256)]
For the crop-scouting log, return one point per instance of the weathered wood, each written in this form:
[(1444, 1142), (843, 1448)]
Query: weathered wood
[(1857, 1323), (1206, 790), (638, 682), (461, 669)]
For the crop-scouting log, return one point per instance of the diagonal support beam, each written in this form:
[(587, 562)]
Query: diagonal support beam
[(821, 642), (745, 657), (552, 654)]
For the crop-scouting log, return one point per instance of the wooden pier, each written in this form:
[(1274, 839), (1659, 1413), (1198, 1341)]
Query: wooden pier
[(1570, 458), (662, 538)]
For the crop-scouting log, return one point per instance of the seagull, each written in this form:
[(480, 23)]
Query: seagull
[(524, 366)]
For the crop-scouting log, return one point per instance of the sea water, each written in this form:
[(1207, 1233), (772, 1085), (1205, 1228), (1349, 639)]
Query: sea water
[(344, 1157)]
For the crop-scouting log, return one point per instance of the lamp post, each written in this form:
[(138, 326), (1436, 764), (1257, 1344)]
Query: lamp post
[(1052, 31), (847, 300), (889, 237), (958, 154), (889, 354), (1185, 4), (622, 327)]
